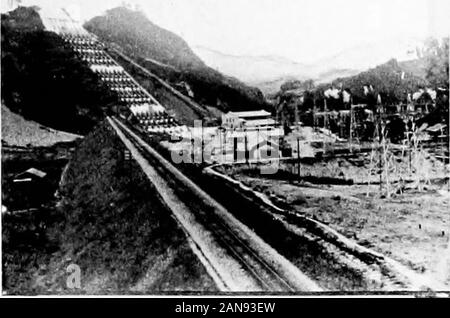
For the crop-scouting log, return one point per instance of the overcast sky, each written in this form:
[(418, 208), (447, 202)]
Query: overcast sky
[(282, 27)]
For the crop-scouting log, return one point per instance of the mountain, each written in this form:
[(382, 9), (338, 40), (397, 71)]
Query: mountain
[(134, 32), (269, 72), (252, 69), (391, 79), (43, 80), (416, 67), (170, 57), (363, 56)]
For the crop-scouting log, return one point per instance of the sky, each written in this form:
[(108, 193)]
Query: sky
[(301, 30)]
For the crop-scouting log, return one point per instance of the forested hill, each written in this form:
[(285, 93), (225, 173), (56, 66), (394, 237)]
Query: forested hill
[(391, 80), (394, 80), (170, 57), (43, 80), (134, 32)]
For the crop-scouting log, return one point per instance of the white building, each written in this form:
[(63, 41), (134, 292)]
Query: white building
[(250, 120)]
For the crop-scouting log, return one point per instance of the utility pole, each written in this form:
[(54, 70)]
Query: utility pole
[(350, 137), (258, 157), (220, 144), (192, 149), (246, 147), (224, 151), (314, 114), (298, 157), (381, 150), (325, 124), (409, 151), (235, 149), (203, 145)]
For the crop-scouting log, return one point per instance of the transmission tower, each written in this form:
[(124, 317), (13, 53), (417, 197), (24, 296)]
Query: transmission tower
[(354, 136)]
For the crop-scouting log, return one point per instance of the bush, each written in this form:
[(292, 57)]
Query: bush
[(114, 221)]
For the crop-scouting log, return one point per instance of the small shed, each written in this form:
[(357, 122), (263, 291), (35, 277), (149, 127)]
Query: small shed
[(30, 175), (33, 187)]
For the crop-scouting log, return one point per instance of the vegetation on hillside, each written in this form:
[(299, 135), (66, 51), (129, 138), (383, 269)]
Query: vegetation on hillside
[(28, 239), (388, 79), (297, 85), (392, 81), (115, 224), (145, 39), (43, 80), (111, 223), (18, 132), (436, 56), (27, 244), (146, 42)]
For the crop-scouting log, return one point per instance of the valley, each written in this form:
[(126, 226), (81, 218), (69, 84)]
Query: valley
[(157, 168)]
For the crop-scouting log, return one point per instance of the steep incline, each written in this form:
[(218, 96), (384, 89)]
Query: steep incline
[(17, 131), (146, 43), (43, 80)]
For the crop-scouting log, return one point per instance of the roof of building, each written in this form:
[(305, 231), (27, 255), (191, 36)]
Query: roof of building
[(251, 113), (436, 128), (260, 122), (296, 92), (33, 171)]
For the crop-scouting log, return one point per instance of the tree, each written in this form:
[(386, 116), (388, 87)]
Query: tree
[(436, 56), (437, 65)]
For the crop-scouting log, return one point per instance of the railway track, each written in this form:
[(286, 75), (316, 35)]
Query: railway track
[(237, 258)]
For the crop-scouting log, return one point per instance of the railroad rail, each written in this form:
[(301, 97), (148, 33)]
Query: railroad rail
[(236, 258)]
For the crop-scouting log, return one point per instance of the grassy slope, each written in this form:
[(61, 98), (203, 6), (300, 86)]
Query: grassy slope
[(115, 228), (17, 131)]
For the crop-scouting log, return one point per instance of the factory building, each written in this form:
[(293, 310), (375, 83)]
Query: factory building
[(249, 120)]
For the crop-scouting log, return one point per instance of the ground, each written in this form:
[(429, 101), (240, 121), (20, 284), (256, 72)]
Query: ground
[(107, 220), (19, 132), (412, 227)]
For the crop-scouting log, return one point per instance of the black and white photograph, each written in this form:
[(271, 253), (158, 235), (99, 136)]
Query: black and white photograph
[(225, 148)]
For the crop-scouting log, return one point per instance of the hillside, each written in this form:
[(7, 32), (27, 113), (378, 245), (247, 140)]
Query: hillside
[(17, 131), (253, 69), (391, 80), (43, 80), (394, 80), (416, 67), (269, 72), (110, 222), (368, 55), (154, 42), (169, 56)]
